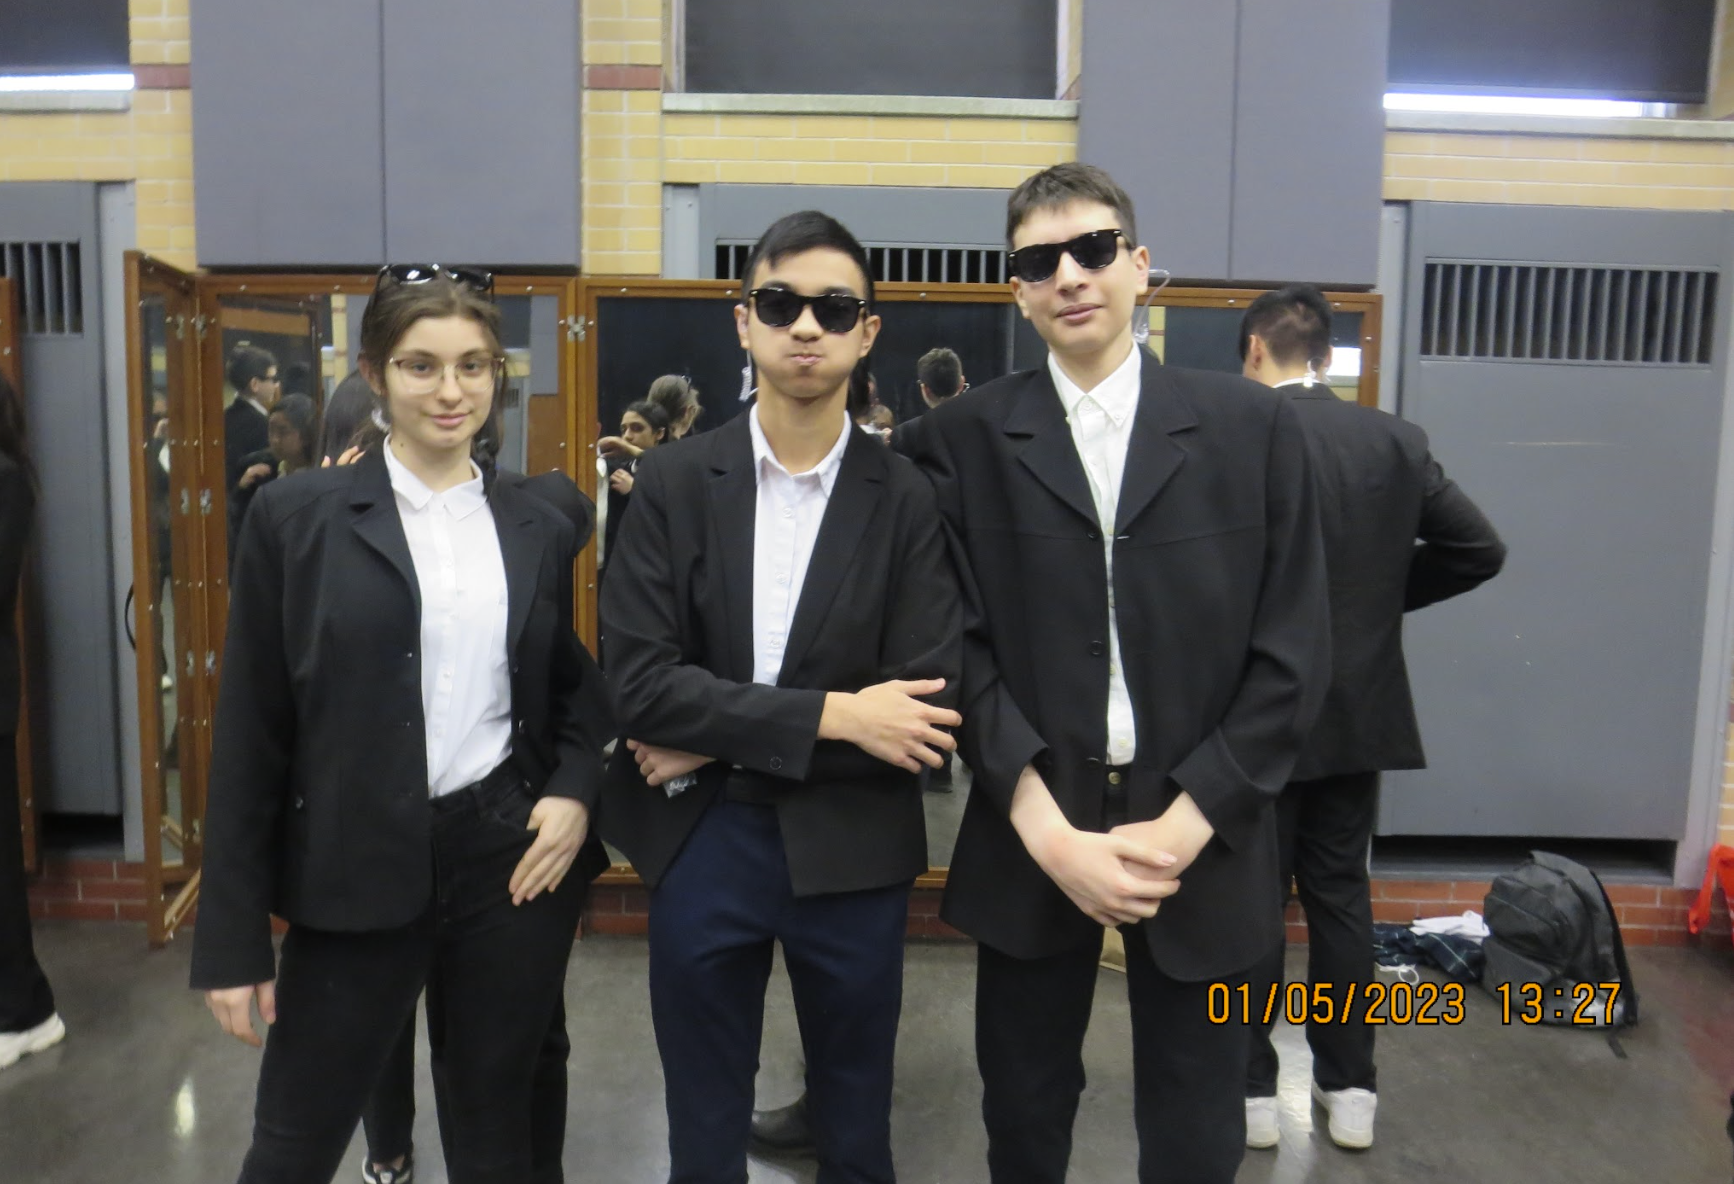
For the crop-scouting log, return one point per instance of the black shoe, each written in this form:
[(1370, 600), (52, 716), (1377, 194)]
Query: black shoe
[(784, 1131), (372, 1174)]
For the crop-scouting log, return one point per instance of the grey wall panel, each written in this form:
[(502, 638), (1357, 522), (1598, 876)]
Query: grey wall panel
[(74, 680), (481, 115), (287, 146), (1309, 141), (984, 48), (1157, 111), (1562, 699)]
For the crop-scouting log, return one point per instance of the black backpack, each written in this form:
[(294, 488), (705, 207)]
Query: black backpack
[(1552, 926)]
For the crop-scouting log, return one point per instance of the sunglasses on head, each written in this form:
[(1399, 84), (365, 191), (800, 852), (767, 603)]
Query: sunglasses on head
[(836, 312), (421, 273), (1093, 252)]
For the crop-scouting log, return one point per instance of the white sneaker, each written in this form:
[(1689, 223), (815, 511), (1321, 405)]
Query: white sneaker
[(1261, 1126), (48, 1033), (1351, 1115)]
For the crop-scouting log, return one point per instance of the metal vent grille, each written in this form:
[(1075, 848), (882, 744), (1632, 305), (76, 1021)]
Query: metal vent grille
[(1634, 316), (50, 282), (894, 264)]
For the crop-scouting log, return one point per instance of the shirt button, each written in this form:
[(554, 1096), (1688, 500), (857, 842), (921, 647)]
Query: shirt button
[(776, 764), (1113, 778), (788, 512), (1097, 649), (782, 577)]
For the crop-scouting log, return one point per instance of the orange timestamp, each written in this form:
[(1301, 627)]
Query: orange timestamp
[(1380, 1003), (1586, 1004)]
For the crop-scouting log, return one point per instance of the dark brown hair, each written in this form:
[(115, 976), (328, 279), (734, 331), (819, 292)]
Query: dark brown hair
[(676, 395), (396, 307), (1062, 185), (1293, 322), (12, 429)]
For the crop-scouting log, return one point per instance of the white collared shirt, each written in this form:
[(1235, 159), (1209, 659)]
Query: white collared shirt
[(1101, 422), (466, 684), (256, 405), (790, 508)]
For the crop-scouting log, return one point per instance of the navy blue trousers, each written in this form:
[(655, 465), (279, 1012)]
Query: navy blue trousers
[(713, 921)]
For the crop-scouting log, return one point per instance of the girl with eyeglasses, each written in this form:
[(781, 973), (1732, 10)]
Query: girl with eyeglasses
[(404, 764)]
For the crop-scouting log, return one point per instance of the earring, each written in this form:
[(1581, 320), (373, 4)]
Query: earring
[(380, 419)]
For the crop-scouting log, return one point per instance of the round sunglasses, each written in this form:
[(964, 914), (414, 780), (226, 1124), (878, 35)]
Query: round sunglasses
[(1092, 251), (836, 312)]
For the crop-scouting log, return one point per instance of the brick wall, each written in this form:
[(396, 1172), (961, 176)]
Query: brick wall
[(88, 890), (1560, 170)]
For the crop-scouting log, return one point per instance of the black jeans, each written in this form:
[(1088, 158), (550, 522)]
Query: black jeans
[(389, 1120), (25, 997), (343, 999), (1324, 828)]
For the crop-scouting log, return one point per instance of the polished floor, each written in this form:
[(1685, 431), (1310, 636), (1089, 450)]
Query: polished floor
[(146, 1089)]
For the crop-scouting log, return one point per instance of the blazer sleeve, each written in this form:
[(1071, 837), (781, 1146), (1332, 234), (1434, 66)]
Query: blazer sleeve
[(251, 743), (582, 717), (660, 696), (996, 740), (1244, 763), (922, 630), (1457, 547), (17, 503)]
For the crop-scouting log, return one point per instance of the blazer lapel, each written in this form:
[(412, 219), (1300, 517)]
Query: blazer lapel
[(377, 523), (1051, 455), (854, 498), (520, 551), (1153, 455), (734, 499)]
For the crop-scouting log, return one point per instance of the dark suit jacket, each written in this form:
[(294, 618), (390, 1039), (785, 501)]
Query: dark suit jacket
[(1220, 592), (1399, 535), (880, 602), (17, 506), (318, 803), (245, 431)]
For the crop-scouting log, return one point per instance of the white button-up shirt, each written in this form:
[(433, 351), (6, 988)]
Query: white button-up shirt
[(466, 684), (1101, 421), (790, 508)]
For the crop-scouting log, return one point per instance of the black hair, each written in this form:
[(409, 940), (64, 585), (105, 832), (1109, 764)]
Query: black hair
[(349, 407), (303, 415), (247, 362), (297, 379), (653, 414), (809, 230), (12, 429), (941, 372), (1063, 184), (1293, 322), (861, 384)]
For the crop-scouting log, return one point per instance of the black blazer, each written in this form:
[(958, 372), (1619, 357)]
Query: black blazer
[(17, 506), (245, 431), (1399, 535), (1220, 591), (318, 803), (880, 602)]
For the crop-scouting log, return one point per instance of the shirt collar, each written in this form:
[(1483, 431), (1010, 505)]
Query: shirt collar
[(1117, 394), (460, 500), (257, 406), (764, 460), (1303, 380)]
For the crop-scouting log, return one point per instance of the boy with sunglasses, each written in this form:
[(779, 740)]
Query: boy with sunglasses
[(782, 627), (1143, 657)]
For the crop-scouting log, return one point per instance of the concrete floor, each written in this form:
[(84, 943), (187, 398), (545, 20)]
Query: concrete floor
[(145, 1088)]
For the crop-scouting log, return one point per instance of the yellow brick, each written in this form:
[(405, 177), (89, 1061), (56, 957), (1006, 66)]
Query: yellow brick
[(641, 53), (833, 127), (157, 214), (984, 129), (1488, 191), (644, 148), (644, 195), (1696, 175), (946, 152), (1050, 131), (691, 125), (904, 127), (1471, 145), (871, 151), (604, 100), (605, 240), (622, 170), (1691, 152), (689, 172), (1580, 172), (646, 9), (908, 174), (605, 123), (101, 170), (766, 126), (644, 101), (608, 30), (757, 172), (644, 240), (597, 217), (1409, 143), (987, 176), (836, 173), (1040, 155), (795, 148), (604, 53), (605, 147), (604, 195), (712, 148)]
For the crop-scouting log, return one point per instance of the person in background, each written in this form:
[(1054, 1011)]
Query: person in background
[(643, 426), (252, 372), (1398, 535), (404, 765), (348, 420), (939, 373), (292, 432), (877, 421), (28, 1021), (678, 398)]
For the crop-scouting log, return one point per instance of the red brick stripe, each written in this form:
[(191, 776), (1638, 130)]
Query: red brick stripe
[(162, 77), (623, 77)]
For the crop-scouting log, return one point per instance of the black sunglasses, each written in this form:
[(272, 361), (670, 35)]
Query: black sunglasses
[(836, 312), (1093, 251), (420, 273)]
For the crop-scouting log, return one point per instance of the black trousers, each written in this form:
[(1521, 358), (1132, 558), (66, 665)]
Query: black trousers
[(1324, 828), (25, 997), (343, 999), (389, 1120), (714, 919), (1030, 1020)]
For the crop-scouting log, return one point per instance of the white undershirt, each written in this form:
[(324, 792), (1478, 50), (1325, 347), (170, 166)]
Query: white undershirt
[(466, 686), (790, 508), (1101, 422)]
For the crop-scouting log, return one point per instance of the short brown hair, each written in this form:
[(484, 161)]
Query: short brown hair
[(1062, 185), (396, 307)]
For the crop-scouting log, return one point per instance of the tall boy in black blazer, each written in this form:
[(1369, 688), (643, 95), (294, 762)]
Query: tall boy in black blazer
[(782, 620), (1145, 653), (1398, 535)]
